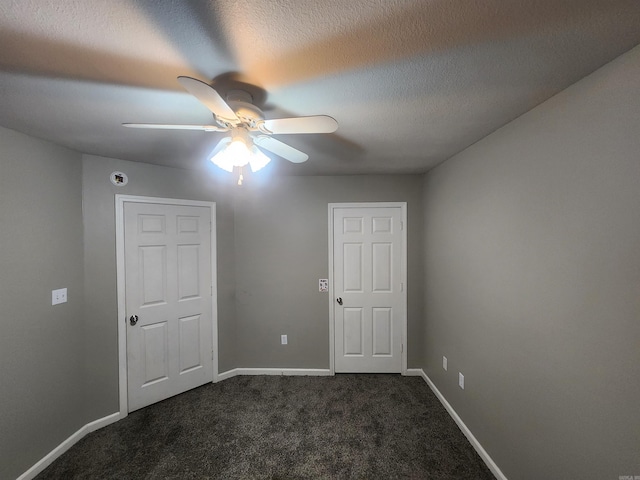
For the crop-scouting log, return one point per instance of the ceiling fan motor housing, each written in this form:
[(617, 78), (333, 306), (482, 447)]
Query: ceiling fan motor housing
[(241, 103)]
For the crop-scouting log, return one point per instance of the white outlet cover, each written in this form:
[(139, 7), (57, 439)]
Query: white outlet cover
[(461, 380), (323, 285), (283, 339), (58, 296)]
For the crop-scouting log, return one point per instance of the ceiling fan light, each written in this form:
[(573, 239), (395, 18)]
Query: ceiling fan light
[(238, 152), (258, 160), (233, 154), (223, 160), (218, 156)]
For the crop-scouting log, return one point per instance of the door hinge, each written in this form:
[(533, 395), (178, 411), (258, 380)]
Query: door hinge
[(211, 291), (401, 225), (402, 287), (402, 348)]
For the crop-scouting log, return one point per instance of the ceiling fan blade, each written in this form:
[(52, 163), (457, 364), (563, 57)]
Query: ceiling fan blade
[(281, 149), (167, 126), (314, 124), (207, 95)]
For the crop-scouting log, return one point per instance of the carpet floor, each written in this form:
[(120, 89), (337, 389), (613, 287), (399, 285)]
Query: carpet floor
[(278, 427)]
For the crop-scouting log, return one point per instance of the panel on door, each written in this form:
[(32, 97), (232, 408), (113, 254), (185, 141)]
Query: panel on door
[(368, 249), (152, 265), (353, 341), (168, 292), (154, 352), (188, 272), (190, 356)]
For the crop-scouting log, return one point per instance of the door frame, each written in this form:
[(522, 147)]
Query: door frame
[(403, 276), (120, 201)]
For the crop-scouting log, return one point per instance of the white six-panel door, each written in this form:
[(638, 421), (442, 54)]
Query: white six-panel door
[(369, 308), (168, 300)]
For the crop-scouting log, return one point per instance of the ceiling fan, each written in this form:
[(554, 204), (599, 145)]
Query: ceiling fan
[(249, 131)]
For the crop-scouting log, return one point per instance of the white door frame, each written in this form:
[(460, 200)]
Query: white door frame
[(403, 276), (120, 201)]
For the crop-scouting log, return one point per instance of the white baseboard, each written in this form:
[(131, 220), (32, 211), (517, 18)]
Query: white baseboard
[(228, 374), (67, 444), (467, 433), (103, 422), (274, 371)]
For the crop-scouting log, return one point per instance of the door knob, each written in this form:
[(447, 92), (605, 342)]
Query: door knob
[(133, 319), (339, 300)]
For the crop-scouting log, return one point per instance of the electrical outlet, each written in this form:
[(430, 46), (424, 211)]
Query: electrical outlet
[(444, 362), (461, 380), (283, 339), (323, 285), (58, 296)]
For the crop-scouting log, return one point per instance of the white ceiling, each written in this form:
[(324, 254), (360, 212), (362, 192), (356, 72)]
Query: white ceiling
[(410, 82)]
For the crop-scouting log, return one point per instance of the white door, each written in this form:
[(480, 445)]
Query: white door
[(369, 303), (168, 300)]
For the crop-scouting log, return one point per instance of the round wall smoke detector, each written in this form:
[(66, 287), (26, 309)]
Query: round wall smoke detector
[(119, 179)]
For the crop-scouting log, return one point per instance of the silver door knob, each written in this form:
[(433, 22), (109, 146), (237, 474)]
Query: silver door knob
[(339, 300), (133, 319)]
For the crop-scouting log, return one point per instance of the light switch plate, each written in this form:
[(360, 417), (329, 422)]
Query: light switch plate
[(323, 285), (58, 296), (461, 380), (444, 362), (283, 339)]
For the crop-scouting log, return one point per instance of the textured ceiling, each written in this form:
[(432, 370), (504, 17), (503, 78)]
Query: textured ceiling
[(410, 82)]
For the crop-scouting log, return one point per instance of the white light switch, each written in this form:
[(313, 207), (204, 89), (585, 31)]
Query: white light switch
[(323, 285), (444, 362), (58, 296), (283, 339), (461, 380)]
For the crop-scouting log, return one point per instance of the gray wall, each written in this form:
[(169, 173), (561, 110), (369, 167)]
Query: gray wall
[(41, 346), (282, 251), (59, 364), (100, 263), (272, 248), (532, 282)]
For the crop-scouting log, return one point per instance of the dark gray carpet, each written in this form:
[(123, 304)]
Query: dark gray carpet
[(271, 427)]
